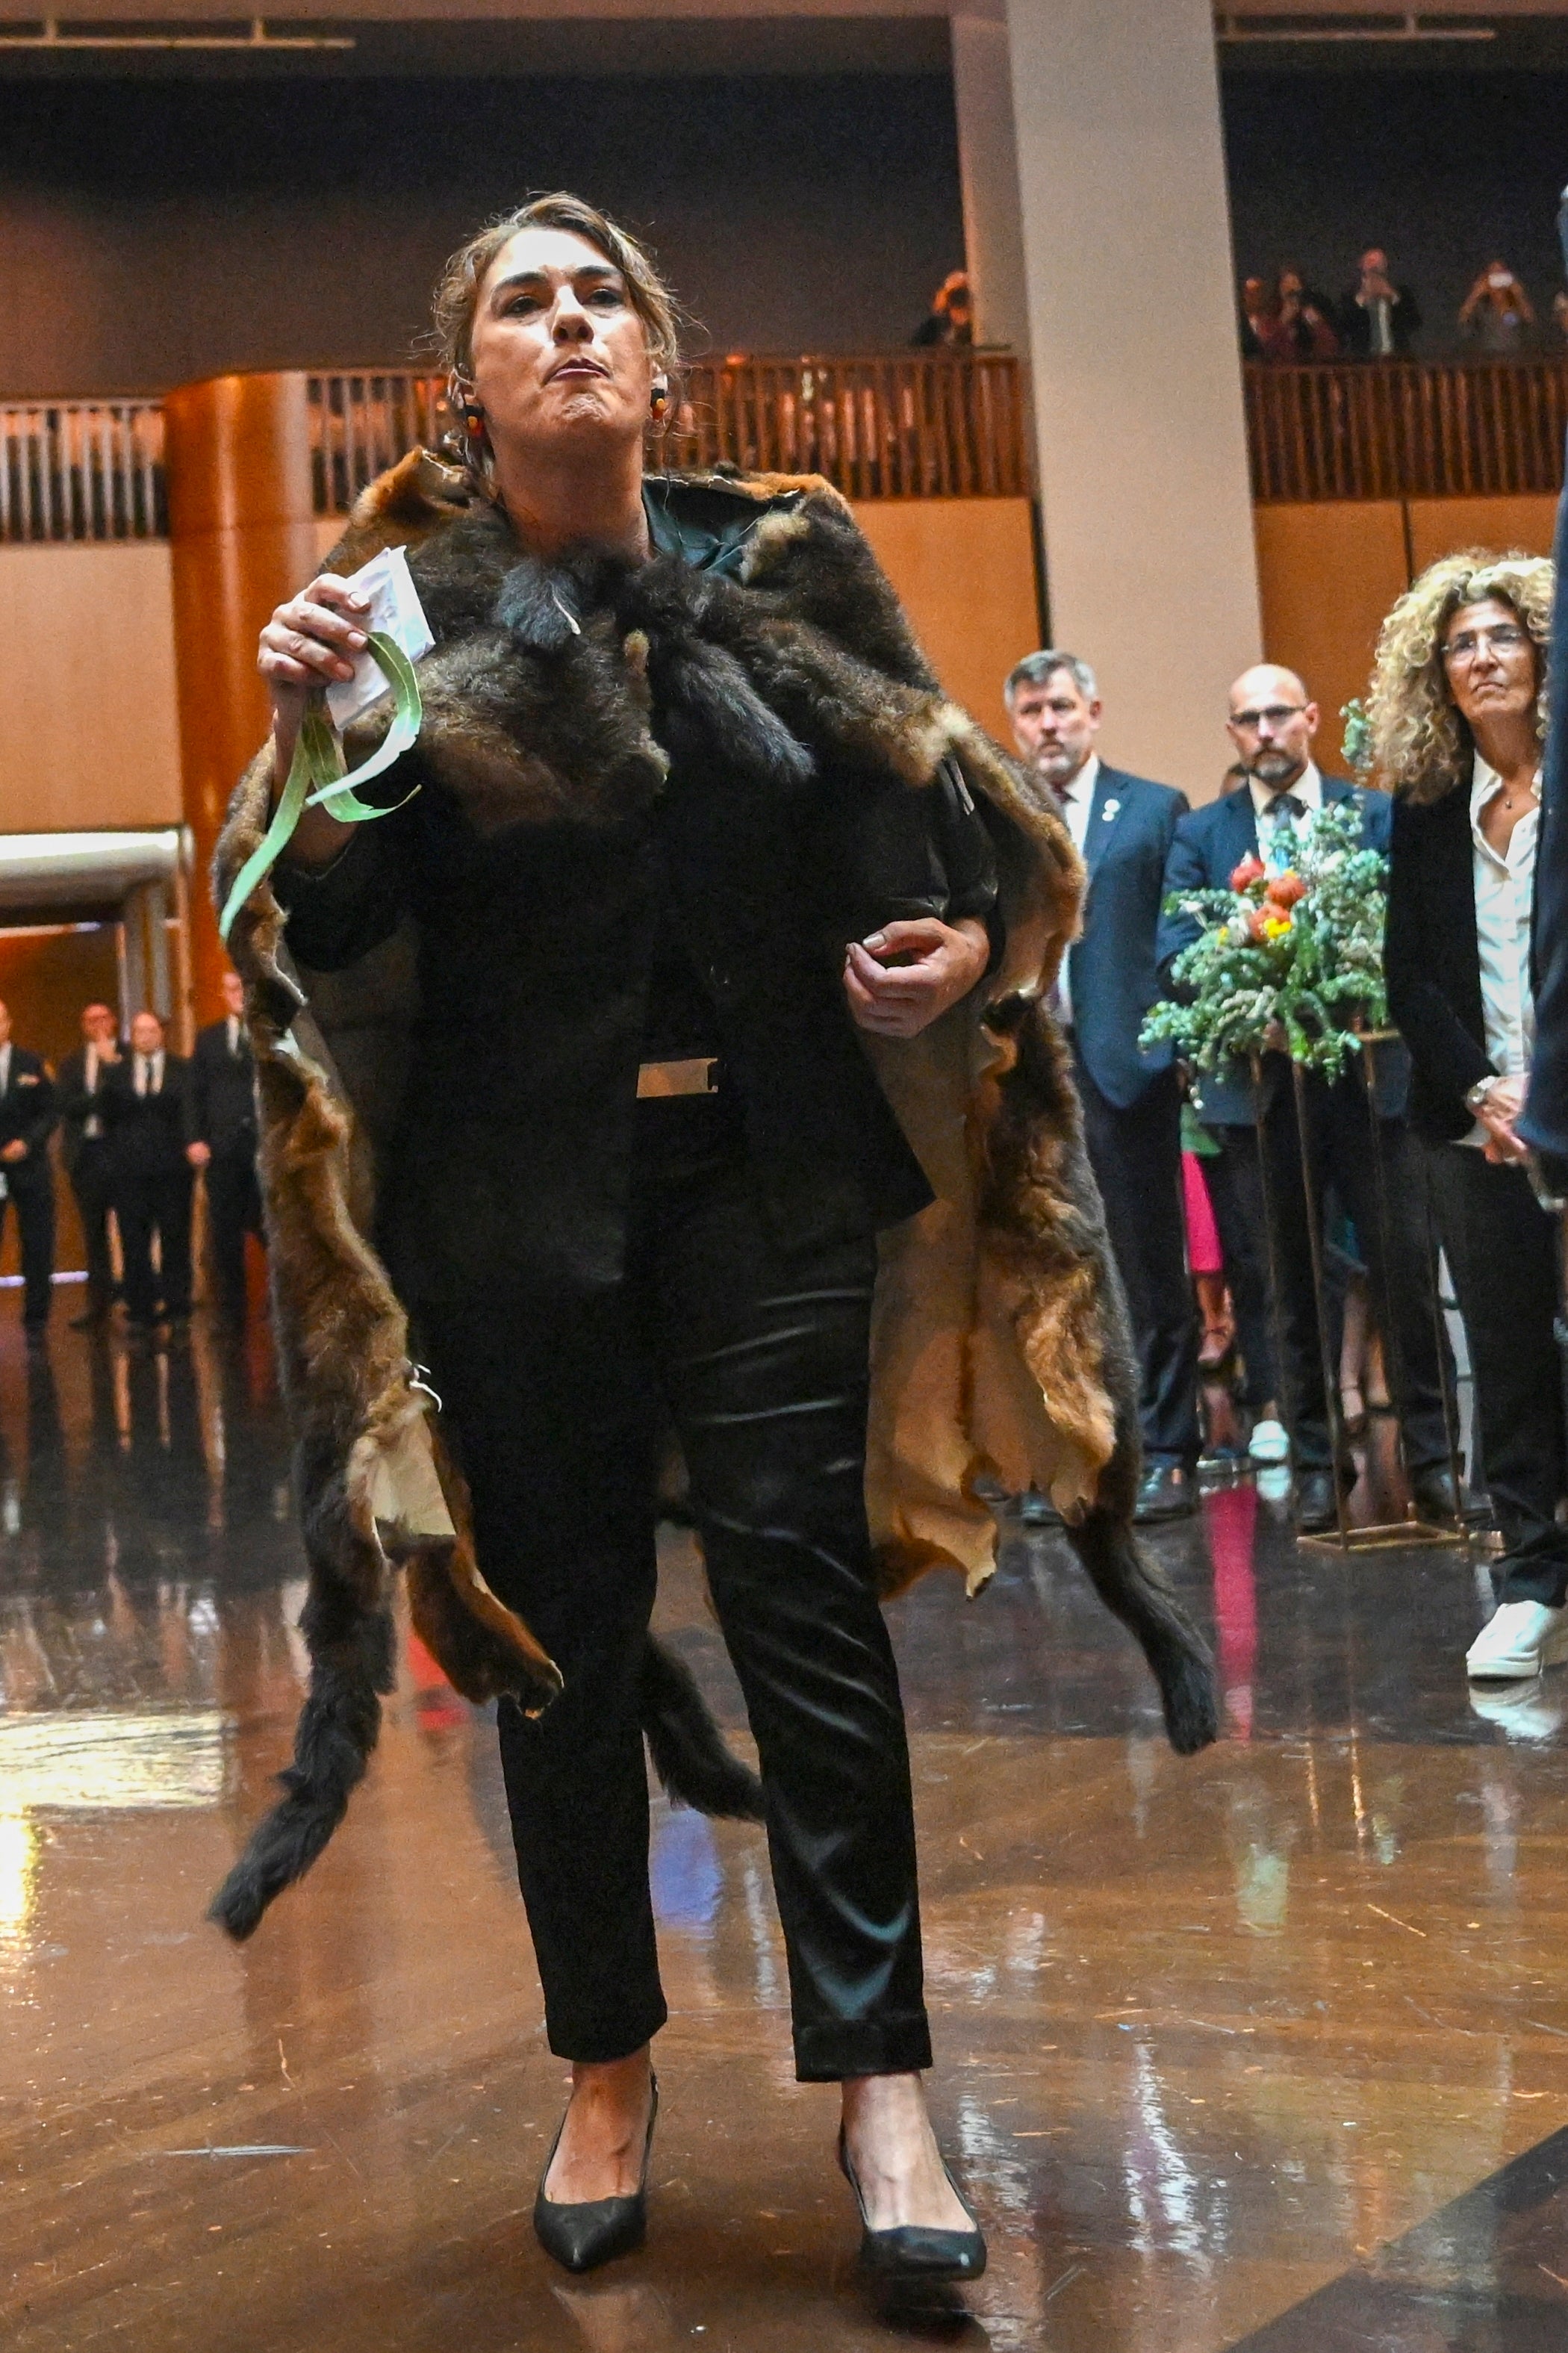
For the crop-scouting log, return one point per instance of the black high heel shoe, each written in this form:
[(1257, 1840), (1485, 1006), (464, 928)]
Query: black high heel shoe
[(596, 2229), (911, 2253)]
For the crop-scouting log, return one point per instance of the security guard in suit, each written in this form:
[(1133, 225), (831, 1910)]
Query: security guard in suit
[(26, 1122), (84, 1148), (1124, 826), (222, 1110)]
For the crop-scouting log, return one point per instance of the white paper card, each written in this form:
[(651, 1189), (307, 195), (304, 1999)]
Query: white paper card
[(395, 610)]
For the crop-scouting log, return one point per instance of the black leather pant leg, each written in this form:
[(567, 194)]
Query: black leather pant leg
[(764, 1360), (554, 1410)]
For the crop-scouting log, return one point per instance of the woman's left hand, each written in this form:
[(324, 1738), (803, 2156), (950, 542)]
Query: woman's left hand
[(899, 980)]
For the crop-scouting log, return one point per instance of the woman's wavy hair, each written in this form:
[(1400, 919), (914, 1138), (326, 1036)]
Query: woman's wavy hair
[(457, 288), (1421, 747)]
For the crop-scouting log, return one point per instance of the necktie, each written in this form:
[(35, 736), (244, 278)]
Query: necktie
[(1282, 813)]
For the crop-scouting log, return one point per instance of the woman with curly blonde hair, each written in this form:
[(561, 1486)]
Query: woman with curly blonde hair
[(1458, 719)]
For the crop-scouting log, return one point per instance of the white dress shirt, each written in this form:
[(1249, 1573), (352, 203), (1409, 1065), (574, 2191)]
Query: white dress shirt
[(231, 1026), (1077, 797), (5, 1066), (92, 1126), (1505, 886), (149, 1073)]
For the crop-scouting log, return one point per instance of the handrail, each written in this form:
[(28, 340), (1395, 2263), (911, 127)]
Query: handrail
[(906, 425), (1406, 428), (81, 470), (912, 424)]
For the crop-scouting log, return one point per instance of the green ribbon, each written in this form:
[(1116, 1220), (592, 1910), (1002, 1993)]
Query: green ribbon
[(317, 763)]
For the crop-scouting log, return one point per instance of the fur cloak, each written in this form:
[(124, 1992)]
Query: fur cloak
[(1001, 1354)]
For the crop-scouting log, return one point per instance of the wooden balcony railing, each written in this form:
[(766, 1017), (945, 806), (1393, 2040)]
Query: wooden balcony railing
[(914, 425), (1406, 428), (81, 470), (910, 425)]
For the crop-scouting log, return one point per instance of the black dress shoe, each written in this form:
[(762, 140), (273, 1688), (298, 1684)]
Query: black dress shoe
[(911, 2255), (1168, 1492), (1317, 1502), (596, 2229), (1434, 1495)]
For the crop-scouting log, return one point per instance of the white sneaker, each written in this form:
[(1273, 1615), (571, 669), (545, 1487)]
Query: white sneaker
[(1531, 1711), (1269, 1443), (1523, 1638)]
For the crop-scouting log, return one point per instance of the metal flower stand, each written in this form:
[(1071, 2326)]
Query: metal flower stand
[(1383, 1533)]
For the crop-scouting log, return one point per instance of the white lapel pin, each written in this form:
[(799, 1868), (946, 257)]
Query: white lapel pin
[(1111, 810)]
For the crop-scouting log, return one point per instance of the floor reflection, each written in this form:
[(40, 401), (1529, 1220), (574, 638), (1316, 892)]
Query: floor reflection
[(1225, 2047)]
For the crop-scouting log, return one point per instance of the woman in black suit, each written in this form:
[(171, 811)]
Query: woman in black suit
[(1458, 716)]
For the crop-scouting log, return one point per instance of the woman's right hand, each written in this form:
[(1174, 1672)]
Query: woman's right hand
[(314, 639), (311, 640)]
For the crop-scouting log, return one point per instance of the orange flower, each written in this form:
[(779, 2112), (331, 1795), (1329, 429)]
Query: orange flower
[(1285, 889), (1250, 871)]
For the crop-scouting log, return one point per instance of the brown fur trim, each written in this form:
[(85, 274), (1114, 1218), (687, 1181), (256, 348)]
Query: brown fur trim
[(537, 700)]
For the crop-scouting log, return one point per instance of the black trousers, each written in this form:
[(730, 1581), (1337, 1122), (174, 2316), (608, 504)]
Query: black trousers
[(234, 1211), (558, 1405), (1503, 1251), (1136, 1155), (1340, 1149), (33, 1199), (93, 1186), (155, 1203)]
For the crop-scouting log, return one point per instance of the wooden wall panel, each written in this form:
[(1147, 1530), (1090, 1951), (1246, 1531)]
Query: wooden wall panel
[(1327, 575), (1444, 526), (965, 570), (88, 727)]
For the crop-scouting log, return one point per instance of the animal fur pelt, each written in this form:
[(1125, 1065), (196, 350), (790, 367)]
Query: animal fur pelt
[(1001, 1348)]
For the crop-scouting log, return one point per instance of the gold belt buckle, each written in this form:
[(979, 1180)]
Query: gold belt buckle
[(665, 1079)]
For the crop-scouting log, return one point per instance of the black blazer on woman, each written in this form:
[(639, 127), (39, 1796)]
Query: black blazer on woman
[(1433, 961)]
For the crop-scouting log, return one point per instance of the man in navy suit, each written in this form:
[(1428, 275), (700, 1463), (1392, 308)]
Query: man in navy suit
[(1123, 825), (1272, 722)]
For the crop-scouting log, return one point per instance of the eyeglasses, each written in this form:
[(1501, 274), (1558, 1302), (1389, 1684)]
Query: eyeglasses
[(1505, 639), (1276, 713)]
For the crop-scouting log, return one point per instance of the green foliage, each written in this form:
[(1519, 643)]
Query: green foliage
[(1299, 952)]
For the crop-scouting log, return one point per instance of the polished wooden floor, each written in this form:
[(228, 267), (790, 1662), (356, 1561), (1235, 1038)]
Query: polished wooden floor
[(1269, 2049)]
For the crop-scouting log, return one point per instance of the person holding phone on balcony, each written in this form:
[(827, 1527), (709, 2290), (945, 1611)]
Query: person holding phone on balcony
[(689, 848), (1378, 319)]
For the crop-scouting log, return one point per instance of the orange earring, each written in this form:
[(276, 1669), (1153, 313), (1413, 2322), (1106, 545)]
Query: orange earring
[(660, 404)]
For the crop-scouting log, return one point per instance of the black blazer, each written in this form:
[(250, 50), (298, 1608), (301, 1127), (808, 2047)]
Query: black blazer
[(222, 1098), (1209, 845), (1433, 961), (28, 1113), (1355, 322), (148, 1133), (74, 1104), (1112, 971), (510, 1163)]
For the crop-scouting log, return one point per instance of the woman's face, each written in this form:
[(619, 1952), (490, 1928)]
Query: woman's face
[(1489, 661), (559, 354)]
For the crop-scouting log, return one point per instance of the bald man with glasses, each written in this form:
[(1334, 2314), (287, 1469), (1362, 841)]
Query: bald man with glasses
[(1272, 724)]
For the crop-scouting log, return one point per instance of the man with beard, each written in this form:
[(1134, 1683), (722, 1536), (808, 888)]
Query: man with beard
[(1272, 724), (1122, 826)]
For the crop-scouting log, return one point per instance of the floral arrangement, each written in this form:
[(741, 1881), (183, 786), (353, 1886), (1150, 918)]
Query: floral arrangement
[(1291, 957)]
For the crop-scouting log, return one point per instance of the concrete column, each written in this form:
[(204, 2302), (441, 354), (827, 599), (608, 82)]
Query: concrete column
[(1149, 563), (242, 532), (988, 170)]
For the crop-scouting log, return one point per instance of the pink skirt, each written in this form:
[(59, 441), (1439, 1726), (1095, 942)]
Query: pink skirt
[(1204, 1253)]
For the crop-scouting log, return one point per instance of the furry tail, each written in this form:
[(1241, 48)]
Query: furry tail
[(1130, 1584), (688, 1752), (336, 1732)]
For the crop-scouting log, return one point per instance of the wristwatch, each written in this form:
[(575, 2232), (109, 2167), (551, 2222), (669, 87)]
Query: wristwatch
[(1476, 1099)]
